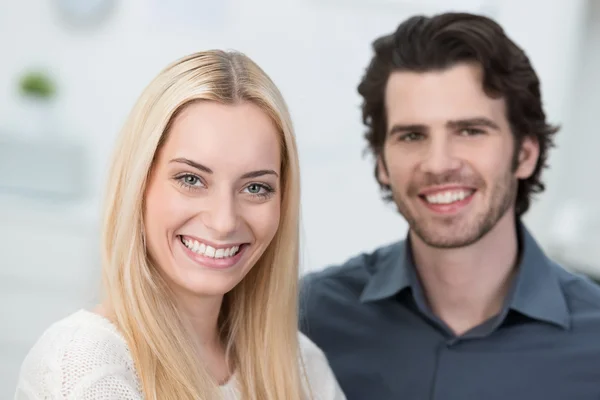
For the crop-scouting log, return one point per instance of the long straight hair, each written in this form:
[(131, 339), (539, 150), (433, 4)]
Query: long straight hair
[(258, 318)]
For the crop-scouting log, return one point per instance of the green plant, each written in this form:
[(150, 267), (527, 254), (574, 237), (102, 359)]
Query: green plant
[(37, 84)]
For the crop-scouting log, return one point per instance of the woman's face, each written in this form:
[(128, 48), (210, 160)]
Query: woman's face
[(212, 204)]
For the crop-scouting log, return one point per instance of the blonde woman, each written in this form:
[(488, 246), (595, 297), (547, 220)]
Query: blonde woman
[(200, 248)]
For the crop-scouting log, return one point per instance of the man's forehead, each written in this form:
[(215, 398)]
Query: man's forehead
[(439, 96)]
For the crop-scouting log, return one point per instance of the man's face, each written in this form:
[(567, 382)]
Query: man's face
[(448, 155)]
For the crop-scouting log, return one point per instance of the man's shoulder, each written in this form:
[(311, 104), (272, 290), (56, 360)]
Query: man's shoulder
[(579, 290), (347, 279)]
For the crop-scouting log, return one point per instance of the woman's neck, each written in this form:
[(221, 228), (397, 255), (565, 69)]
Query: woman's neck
[(202, 315)]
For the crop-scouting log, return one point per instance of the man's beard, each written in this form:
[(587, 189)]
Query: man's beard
[(459, 231)]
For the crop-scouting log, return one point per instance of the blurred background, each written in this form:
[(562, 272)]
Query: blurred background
[(70, 71)]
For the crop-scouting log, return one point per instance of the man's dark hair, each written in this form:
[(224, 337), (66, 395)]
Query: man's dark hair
[(423, 44)]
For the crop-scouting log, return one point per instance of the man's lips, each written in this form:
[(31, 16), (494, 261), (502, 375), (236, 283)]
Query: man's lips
[(448, 199)]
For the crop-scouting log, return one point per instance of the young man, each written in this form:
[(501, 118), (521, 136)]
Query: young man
[(468, 306)]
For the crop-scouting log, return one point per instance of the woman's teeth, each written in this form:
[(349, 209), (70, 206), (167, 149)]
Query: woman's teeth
[(209, 251)]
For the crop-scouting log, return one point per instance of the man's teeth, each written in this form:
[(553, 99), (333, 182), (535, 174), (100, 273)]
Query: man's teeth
[(209, 251), (448, 197)]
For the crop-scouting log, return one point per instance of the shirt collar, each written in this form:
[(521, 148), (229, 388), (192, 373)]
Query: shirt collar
[(536, 292), (392, 273)]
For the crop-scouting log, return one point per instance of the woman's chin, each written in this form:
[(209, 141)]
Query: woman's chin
[(208, 286)]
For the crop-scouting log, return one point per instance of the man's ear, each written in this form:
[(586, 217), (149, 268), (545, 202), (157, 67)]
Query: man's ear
[(382, 173), (529, 154)]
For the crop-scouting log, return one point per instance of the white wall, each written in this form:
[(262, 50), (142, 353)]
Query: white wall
[(581, 143), (577, 227), (555, 50), (315, 51)]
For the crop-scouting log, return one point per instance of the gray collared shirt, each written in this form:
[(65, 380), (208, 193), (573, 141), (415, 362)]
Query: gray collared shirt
[(370, 318)]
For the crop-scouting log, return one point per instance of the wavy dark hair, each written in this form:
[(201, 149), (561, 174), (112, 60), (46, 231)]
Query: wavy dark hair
[(423, 44)]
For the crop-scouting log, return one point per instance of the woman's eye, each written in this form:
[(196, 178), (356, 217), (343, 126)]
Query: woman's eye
[(259, 190), (254, 188), (190, 180)]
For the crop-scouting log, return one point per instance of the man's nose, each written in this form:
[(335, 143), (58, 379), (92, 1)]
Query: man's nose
[(439, 156)]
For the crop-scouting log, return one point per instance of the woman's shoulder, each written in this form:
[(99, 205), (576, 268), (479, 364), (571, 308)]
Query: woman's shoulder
[(311, 353), (76, 356), (322, 381)]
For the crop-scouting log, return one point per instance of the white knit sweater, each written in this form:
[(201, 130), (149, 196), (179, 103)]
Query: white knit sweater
[(84, 357)]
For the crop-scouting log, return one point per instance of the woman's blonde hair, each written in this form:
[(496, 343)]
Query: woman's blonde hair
[(259, 316)]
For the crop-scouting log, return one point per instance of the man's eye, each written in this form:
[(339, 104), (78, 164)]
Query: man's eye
[(411, 137), (470, 132)]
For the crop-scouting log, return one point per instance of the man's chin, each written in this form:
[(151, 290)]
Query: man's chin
[(444, 236)]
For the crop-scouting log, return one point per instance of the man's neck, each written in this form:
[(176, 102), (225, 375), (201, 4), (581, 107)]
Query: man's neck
[(467, 286)]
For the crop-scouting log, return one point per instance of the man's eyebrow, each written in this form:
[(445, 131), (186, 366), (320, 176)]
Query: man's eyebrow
[(477, 121), (455, 124), (399, 128)]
